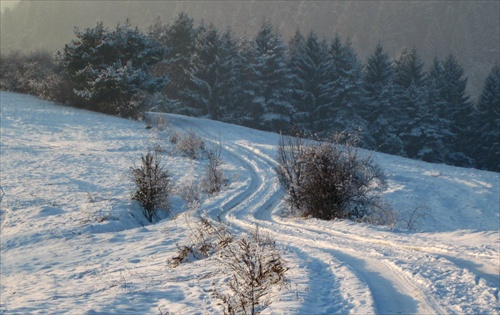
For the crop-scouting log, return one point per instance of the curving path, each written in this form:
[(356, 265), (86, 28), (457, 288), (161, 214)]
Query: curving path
[(348, 272)]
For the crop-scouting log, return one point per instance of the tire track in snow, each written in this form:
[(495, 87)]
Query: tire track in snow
[(256, 195), (384, 283), (261, 199), (485, 283), (255, 208), (324, 295)]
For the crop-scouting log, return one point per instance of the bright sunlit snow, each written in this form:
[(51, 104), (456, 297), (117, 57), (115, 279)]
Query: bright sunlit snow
[(72, 241)]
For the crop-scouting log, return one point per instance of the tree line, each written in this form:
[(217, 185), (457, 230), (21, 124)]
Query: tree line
[(307, 84)]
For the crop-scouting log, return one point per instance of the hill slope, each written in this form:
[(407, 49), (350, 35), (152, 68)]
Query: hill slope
[(72, 242)]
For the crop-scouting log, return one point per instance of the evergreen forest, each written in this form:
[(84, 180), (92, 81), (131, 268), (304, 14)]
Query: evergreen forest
[(305, 85)]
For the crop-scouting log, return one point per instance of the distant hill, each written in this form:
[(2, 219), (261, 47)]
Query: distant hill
[(468, 29)]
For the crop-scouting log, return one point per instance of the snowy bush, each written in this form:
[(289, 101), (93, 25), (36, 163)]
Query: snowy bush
[(190, 192), (204, 240), (328, 180), (256, 268), (213, 180), (413, 219), (152, 185), (33, 73), (189, 144)]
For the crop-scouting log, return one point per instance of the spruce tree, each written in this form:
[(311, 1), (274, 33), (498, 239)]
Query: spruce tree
[(110, 69), (179, 38), (487, 140), (342, 94), (251, 109), (435, 121), (215, 73), (296, 56), (230, 73), (272, 87), (380, 102), (459, 110), (203, 90), (307, 57), (410, 99)]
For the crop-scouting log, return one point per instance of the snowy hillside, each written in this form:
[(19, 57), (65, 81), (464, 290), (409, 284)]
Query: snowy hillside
[(72, 242)]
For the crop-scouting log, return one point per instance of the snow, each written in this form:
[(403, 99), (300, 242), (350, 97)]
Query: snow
[(72, 241)]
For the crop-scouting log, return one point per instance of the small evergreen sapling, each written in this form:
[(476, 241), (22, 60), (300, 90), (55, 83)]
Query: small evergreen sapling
[(152, 185)]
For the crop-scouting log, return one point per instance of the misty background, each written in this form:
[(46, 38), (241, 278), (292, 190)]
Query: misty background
[(468, 29)]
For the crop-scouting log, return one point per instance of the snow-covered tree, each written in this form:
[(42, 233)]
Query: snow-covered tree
[(296, 51), (487, 140), (34, 73), (380, 102), (307, 56), (109, 69), (250, 110), (203, 88), (214, 72), (342, 95), (179, 38), (434, 119), (272, 87), (410, 99), (458, 109), (230, 72)]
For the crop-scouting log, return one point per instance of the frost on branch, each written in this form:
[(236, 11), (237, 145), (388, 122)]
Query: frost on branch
[(256, 269)]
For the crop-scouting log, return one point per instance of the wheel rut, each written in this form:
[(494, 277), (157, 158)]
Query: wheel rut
[(391, 290)]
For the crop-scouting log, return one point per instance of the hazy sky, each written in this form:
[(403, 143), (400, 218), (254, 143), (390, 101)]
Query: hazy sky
[(7, 4)]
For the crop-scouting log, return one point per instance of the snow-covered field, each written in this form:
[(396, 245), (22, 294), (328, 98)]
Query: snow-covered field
[(72, 242)]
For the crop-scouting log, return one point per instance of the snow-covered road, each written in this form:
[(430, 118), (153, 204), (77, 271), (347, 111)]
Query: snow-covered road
[(72, 242), (387, 289)]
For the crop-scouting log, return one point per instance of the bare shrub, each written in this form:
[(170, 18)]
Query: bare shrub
[(256, 269), (152, 185), (155, 120), (189, 145), (382, 214), (204, 240), (328, 180), (289, 170), (161, 123), (174, 137), (213, 180), (414, 218), (190, 192), (2, 193)]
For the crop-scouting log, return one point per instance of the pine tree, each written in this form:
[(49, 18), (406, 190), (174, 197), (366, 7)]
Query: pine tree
[(272, 87), (250, 110), (296, 52), (342, 95), (215, 70), (458, 109), (180, 40), (80, 53), (410, 99), (203, 90), (110, 69), (487, 140), (435, 121), (307, 56), (380, 102), (230, 72)]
